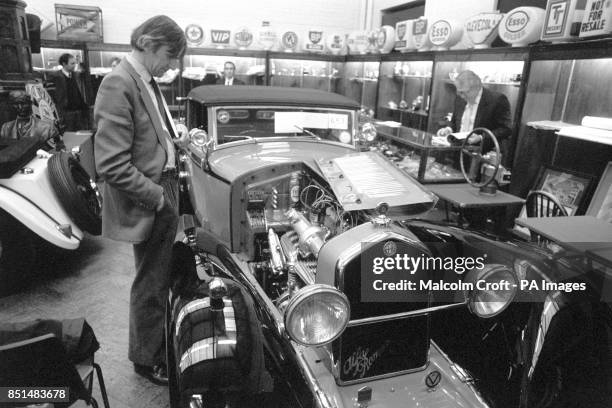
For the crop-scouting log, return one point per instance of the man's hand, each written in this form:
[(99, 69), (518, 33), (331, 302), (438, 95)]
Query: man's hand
[(183, 136), (474, 139), (445, 131), (160, 204)]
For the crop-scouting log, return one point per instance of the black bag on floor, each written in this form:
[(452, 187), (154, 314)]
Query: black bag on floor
[(16, 153)]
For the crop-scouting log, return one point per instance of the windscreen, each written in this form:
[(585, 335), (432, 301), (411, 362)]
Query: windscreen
[(245, 123)]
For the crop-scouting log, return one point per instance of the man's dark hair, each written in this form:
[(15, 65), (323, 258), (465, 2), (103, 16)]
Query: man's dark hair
[(231, 63), (64, 58), (159, 31)]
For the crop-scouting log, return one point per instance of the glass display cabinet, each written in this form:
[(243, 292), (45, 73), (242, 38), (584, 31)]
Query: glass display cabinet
[(404, 89), (418, 153), (566, 82), (501, 71), (205, 66), (100, 59), (305, 71), (47, 61), (102, 55), (360, 80)]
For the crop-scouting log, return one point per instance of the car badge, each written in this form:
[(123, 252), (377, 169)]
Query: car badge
[(390, 248), (290, 40), (243, 37), (401, 31), (433, 379), (315, 36), (194, 34)]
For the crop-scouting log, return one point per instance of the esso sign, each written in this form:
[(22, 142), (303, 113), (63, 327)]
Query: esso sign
[(440, 32), (443, 34), (516, 21), (522, 26)]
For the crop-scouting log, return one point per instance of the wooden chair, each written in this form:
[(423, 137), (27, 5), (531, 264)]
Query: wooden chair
[(543, 204), (43, 362)]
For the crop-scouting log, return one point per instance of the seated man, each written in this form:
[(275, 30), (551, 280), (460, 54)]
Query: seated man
[(476, 107), (26, 124)]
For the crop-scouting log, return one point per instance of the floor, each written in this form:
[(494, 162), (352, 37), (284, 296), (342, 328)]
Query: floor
[(92, 282)]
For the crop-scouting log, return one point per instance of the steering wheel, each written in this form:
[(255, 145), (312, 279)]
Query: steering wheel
[(478, 158)]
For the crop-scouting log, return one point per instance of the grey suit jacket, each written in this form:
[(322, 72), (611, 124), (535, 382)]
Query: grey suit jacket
[(130, 153)]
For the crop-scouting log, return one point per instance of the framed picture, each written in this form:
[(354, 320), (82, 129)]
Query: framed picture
[(601, 204), (570, 188), (78, 23)]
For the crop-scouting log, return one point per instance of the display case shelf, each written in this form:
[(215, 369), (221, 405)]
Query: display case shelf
[(403, 77), (409, 111), (412, 151)]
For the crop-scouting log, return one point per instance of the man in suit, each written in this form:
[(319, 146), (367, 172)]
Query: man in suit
[(70, 95), (135, 157), (475, 107), (229, 68)]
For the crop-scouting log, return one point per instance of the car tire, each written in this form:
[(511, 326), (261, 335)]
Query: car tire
[(76, 192), (17, 254)]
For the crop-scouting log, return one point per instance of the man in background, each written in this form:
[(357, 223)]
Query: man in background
[(476, 106), (136, 158), (70, 95), (229, 69)]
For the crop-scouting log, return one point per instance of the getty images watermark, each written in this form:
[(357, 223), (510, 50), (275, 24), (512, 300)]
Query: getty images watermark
[(395, 271)]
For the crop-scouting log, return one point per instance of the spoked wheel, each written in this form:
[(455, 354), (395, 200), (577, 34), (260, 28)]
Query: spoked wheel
[(17, 254), (477, 158), (76, 191)]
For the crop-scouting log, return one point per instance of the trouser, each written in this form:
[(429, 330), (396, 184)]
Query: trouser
[(76, 120), (150, 287)]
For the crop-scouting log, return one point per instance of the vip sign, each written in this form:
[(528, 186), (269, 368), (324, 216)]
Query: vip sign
[(314, 41), (481, 29), (596, 20), (220, 38)]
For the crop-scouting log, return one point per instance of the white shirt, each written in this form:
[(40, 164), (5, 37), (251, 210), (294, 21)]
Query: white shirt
[(229, 81), (146, 78), (469, 114)]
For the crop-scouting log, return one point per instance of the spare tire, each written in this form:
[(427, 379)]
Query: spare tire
[(77, 193)]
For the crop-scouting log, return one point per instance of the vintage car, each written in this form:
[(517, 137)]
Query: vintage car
[(289, 288), (46, 196)]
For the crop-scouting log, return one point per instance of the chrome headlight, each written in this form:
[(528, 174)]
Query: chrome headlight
[(198, 137), (494, 288), (316, 315), (368, 132)]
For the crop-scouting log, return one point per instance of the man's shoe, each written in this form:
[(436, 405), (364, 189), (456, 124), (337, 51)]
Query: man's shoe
[(156, 374)]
